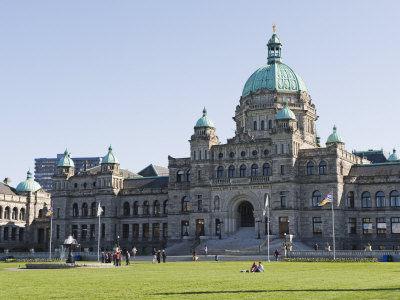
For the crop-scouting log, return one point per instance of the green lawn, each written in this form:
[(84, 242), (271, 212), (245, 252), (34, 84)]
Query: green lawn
[(206, 280)]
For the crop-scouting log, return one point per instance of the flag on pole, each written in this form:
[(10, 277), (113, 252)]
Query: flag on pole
[(327, 199), (99, 210), (266, 205), (49, 212)]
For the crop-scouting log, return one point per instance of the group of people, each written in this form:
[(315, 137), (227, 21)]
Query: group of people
[(255, 268), (116, 256), (158, 255)]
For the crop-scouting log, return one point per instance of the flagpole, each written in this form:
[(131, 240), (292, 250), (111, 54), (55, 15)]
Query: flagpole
[(98, 240), (268, 226), (51, 232), (333, 230)]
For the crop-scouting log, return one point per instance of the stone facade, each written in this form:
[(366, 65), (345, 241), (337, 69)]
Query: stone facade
[(23, 224)]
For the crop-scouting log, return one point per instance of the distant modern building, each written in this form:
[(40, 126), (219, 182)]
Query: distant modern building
[(45, 168)]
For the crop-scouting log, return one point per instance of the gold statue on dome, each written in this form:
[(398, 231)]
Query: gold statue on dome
[(274, 28)]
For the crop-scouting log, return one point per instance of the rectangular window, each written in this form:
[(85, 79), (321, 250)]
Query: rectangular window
[(380, 225), (165, 230), (395, 225), (58, 232), (125, 231), (58, 212), (84, 231), (199, 202), (92, 231), (282, 148), (317, 225), (199, 174), (75, 231), (135, 230), (103, 230), (200, 155), (146, 230), (194, 155), (21, 234), (352, 225), (156, 230), (283, 199), (367, 225), (14, 233), (104, 211), (282, 170)]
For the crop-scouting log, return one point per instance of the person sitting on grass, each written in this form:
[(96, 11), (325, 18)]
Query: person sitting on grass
[(260, 267), (253, 267)]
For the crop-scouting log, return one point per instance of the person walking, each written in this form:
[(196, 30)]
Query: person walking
[(127, 257), (159, 256), (205, 250), (164, 256), (154, 253), (276, 254), (134, 251)]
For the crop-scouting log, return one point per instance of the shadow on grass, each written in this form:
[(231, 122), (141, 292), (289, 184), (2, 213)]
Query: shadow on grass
[(276, 291)]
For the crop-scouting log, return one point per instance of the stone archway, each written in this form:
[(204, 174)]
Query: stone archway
[(245, 210)]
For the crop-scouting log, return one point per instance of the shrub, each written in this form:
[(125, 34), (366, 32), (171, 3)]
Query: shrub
[(325, 259)]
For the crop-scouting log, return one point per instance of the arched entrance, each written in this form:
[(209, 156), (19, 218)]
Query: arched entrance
[(245, 210)]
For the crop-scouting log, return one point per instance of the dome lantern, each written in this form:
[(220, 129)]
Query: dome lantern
[(394, 156), (204, 121), (274, 48)]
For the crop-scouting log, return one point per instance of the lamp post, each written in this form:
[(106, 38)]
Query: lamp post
[(258, 228), (118, 241)]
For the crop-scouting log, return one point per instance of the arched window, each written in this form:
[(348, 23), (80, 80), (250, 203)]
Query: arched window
[(135, 208), (216, 203), (22, 214), (165, 207), (157, 207), (40, 214), (350, 199), (7, 213), (316, 198), (380, 199), (185, 204), (310, 168), (93, 210), (394, 198), (85, 210), (270, 124), (220, 172), (243, 171), (231, 171), (75, 210), (266, 169), (366, 200), (146, 208), (15, 213), (127, 209), (179, 176), (262, 125), (255, 125), (188, 178), (322, 168), (254, 170)]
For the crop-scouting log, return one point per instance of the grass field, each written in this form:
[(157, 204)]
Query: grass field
[(206, 280)]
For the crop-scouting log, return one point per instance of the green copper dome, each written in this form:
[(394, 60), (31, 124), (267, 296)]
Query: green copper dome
[(274, 76), (29, 185), (110, 158), (66, 161), (394, 156), (285, 113), (334, 137), (204, 121)]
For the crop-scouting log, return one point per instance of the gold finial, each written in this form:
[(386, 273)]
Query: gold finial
[(274, 28)]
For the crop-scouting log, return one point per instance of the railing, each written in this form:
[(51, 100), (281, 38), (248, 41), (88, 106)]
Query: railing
[(259, 179), (241, 180)]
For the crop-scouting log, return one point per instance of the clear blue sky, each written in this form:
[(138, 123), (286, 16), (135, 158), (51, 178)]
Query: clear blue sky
[(86, 74)]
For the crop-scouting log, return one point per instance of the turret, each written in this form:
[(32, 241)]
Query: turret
[(110, 162), (335, 139), (65, 166)]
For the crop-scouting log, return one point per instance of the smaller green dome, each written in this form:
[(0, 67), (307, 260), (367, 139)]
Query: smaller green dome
[(66, 161), (334, 137), (285, 113), (110, 158), (394, 156), (204, 121), (29, 185)]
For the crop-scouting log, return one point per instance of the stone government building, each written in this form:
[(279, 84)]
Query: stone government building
[(220, 188)]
